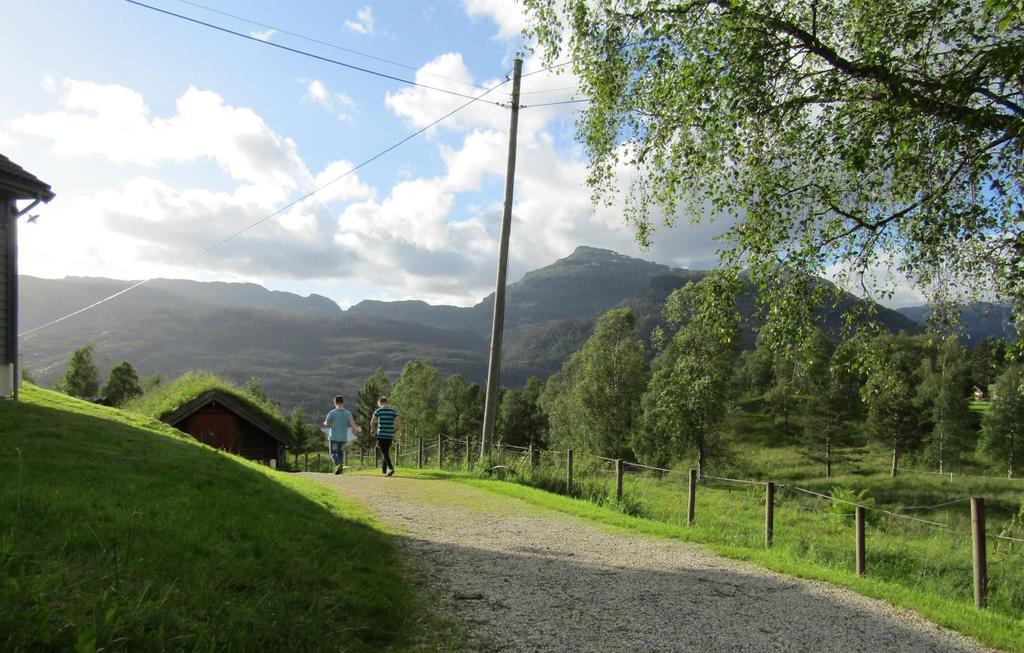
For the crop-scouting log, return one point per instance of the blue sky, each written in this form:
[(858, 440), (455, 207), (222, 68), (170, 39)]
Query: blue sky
[(161, 137)]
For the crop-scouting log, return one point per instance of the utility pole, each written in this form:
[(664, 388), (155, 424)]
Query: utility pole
[(498, 324)]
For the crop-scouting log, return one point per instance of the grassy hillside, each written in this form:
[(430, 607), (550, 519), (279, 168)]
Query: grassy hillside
[(118, 533)]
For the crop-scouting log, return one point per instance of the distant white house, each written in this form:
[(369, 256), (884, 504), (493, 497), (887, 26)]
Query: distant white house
[(16, 184)]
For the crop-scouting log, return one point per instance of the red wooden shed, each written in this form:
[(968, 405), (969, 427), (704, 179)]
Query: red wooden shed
[(226, 422)]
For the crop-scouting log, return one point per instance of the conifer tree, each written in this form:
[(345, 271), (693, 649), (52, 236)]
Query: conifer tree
[(122, 384), (81, 378)]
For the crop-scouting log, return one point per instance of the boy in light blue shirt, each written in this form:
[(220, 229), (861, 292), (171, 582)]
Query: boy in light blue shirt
[(339, 421)]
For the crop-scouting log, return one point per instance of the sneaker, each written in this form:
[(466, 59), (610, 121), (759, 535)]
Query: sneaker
[(391, 472), (337, 469)]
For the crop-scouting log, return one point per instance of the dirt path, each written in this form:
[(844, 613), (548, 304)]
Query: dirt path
[(528, 579)]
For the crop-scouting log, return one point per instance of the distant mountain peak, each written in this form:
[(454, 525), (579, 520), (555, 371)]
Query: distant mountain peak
[(596, 254)]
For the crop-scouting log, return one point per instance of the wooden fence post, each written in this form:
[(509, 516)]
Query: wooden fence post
[(440, 452), (568, 471), (691, 497), (859, 530), (318, 461), (618, 479), (467, 452), (769, 513), (978, 535), (296, 461), (306, 460), (419, 457)]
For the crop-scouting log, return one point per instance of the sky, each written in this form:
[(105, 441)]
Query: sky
[(162, 138)]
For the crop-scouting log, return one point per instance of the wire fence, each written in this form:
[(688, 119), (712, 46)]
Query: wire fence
[(939, 542)]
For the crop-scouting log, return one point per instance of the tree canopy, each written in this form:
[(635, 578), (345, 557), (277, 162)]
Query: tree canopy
[(837, 134), (593, 402), (122, 385), (81, 378), (415, 397)]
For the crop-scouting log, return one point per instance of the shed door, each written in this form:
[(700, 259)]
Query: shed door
[(217, 429)]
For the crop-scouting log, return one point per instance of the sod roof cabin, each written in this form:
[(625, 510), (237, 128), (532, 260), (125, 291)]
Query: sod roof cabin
[(16, 184), (226, 421)]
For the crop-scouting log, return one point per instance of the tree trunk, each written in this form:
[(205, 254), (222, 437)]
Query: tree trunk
[(828, 457), (895, 459), (1009, 471), (940, 449)]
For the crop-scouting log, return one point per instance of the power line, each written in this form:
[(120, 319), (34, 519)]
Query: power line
[(303, 52), (326, 43), (551, 104), (276, 213), (545, 90)]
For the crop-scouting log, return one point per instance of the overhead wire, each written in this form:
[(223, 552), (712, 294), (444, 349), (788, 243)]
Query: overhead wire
[(325, 43), (304, 53), (276, 213), (551, 104)]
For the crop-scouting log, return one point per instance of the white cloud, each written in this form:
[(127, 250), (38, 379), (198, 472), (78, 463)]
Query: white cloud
[(263, 36), (114, 123), (6, 139), (431, 236), (348, 187), (507, 15), (422, 106), (337, 103), (48, 84), (363, 23)]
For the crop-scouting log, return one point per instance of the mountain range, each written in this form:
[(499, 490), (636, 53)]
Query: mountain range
[(307, 349)]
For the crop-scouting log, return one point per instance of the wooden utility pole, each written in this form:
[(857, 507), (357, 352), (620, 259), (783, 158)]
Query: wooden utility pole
[(498, 323)]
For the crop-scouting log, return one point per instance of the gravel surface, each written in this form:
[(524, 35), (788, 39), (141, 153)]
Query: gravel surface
[(529, 579)]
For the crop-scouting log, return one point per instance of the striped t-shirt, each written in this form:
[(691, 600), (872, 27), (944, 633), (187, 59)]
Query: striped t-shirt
[(385, 422)]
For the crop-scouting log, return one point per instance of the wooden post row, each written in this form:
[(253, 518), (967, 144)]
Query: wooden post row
[(568, 471), (859, 529), (618, 479), (769, 513), (978, 537), (691, 496)]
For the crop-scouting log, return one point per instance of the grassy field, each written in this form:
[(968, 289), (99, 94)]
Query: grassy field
[(118, 533)]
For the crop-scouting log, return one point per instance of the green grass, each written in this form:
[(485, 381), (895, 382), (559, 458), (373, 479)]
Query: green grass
[(119, 533), (909, 565)]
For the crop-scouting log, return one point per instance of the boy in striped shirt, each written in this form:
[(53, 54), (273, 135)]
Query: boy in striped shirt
[(385, 422)]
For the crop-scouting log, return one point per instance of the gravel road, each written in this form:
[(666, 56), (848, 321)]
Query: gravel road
[(528, 579)]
